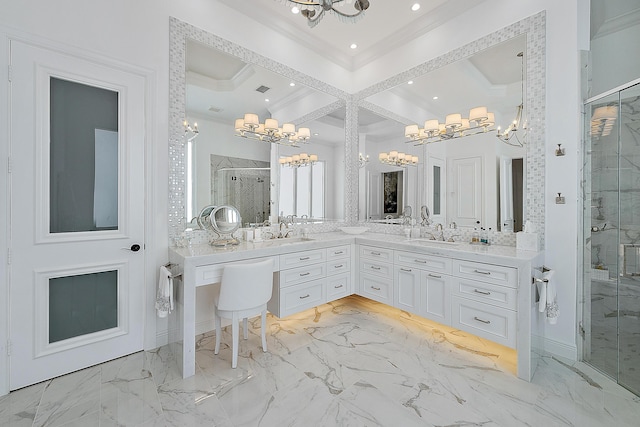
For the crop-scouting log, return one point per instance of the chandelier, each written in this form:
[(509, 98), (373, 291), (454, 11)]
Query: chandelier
[(190, 132), (394, 158), (603, 120), (512, 130), (249, 127), (314, 10), (455, 126), (298, 160)]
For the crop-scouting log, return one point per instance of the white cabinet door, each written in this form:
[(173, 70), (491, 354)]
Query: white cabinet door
[(435, 297), (466, 196), (406, 294)]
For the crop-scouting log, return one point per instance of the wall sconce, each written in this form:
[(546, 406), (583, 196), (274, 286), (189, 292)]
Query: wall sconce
[(190, 132), (362, 160)]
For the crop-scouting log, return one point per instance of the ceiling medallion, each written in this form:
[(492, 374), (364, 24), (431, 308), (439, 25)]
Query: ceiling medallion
[(314, 10)]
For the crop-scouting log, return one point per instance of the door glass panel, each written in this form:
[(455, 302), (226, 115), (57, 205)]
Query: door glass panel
[(436, 190), (82, 304), (317, 190), (84, 157), (629, 282)]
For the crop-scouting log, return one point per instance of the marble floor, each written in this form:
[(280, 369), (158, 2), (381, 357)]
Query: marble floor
[(349, 363)]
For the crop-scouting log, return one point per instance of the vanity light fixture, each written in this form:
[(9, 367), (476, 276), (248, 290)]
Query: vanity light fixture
[(314, 10), (510, 135), (362, 160), (455, 126), (394, 158), (190, 132), (298, 160), (250, 127)]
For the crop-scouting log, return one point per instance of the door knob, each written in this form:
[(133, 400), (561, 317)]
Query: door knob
[(134, 248)]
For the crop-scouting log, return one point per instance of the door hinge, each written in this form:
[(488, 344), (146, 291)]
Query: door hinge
[(8, 256), (581, 330), (10, 73), (9, 165), (8, 347)]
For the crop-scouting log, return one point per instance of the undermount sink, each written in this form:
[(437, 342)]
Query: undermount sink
[(434, 242), (286, 240)]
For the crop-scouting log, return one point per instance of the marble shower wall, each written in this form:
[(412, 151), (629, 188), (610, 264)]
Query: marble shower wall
[(615, 192), (242, 183)]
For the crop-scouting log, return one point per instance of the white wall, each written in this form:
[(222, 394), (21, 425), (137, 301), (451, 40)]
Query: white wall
[(137, 33)]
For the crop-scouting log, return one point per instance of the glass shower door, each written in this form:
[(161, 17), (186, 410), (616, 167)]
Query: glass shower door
[(611, 311)]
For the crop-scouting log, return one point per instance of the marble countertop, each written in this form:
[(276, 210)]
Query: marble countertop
[(204, 254)]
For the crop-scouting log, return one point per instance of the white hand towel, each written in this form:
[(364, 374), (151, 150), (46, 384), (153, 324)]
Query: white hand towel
[(547, 291), (164, 295)]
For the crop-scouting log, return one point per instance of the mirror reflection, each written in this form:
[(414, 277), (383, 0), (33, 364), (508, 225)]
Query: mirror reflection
[(224, 169), (469, 181)]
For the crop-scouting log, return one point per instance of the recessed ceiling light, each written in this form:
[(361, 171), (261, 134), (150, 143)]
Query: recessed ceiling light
[(410, 82), (266, 100), (292, 84), (435, 97), (295, 9), (316, 134), (354, 46), (415, 6)]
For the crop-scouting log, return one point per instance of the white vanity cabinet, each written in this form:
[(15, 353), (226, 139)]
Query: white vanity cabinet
[(423, 285), (484, 300), (310, 278), (375, 278)]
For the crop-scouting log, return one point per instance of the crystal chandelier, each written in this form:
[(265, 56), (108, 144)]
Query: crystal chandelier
[(298, 160), (314, 10), (512, 130), (394, 158), (249, 127)]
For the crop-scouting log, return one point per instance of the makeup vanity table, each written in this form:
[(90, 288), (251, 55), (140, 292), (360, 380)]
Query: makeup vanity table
[(484, 290)]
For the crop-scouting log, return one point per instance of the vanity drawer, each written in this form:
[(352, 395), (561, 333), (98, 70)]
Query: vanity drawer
[(338, 266), (500, 296), (338, 286), (208, 274), (500, 275), (301, 297), (376, 288), (380, 254), (487, 321), (298, 259), (377, 268), (339, 252), (425, 262), (302, 274)]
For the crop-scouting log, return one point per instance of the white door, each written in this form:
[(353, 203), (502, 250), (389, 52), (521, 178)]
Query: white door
[(77, 214), (465, 202)]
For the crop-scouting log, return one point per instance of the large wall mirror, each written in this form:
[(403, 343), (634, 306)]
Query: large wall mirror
[(457, 179), (214, 82), (475, 178)]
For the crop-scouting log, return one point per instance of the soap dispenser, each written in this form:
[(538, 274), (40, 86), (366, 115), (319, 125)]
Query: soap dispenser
[(475, 236)]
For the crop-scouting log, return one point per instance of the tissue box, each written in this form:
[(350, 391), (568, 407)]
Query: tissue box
[(527, 241)]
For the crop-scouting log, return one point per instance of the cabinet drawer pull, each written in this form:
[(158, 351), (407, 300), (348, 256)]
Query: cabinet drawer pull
[(481, 292), (434, 275), (481, 272), (304, 258), (374, 288), (306, 296), (421, 261), (338, 266), (375, 268), (376, 253), (406, 269), (338, 252), (483, 321), (338, 286), (304, 274)]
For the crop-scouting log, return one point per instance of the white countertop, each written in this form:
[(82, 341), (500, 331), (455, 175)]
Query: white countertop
[(206, 254)]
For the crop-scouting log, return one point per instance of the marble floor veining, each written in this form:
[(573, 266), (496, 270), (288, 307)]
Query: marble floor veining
[(353, 362)]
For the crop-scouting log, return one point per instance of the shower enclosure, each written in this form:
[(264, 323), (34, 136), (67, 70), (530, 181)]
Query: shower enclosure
[(610, 325), (246, 189)]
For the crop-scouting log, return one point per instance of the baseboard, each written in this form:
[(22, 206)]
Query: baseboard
[(561, 349)]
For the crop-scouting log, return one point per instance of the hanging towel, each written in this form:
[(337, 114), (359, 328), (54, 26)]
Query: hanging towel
[(547, 291), (164, 296)]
